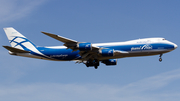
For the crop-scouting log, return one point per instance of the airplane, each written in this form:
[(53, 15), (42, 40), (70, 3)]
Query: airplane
[(84, 52)]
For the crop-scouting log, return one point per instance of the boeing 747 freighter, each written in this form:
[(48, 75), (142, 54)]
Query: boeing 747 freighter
[(88, 53)]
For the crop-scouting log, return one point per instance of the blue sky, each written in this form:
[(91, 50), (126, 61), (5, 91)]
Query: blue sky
[(137, 79)]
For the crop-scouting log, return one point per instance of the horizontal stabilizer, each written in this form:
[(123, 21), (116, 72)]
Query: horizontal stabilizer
[(15, 50)]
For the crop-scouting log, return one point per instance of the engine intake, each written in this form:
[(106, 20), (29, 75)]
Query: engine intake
[(110, 62)]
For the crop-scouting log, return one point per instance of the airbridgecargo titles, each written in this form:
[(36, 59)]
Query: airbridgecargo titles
[(145, 47)]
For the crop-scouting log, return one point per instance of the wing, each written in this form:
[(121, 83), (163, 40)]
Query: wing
[(87, 50), (60, 38), (69, 43)]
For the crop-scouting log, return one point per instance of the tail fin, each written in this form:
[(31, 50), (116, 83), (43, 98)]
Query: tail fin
[(17, 40)]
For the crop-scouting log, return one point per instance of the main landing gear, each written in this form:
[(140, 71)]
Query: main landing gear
[(94, 63), (160, 59)]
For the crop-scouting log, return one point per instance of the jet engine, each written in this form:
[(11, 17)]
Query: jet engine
[(84, 46), (110, 62), (107, 52)]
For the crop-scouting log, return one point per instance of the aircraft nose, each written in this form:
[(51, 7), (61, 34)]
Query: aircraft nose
[(175, 46)]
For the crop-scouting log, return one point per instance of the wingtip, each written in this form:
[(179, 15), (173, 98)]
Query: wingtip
[(45, 32)]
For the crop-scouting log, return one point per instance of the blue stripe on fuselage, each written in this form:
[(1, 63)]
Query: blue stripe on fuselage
[(59, 53)]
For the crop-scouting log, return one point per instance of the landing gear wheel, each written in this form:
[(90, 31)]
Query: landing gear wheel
[(96, 67), (92, 63), (160, 59), (96, 64)]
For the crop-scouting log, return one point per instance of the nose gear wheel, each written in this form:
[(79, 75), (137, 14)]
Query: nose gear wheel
[(160, 59)]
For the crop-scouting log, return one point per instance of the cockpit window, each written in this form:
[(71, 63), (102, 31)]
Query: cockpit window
[(164, 39)]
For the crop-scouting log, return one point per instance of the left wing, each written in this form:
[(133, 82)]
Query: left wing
[(60, 38)]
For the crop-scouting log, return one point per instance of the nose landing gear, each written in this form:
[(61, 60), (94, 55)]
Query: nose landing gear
[(160, 59)]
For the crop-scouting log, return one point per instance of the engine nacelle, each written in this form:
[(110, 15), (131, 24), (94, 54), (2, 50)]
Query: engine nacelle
[(110, 62), (107, 52), (84, 46)]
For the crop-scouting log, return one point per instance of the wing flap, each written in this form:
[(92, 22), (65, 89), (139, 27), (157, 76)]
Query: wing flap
[(15, 50)]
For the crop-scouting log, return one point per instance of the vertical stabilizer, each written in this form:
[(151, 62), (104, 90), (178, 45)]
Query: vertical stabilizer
[(17, 40)]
